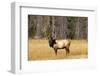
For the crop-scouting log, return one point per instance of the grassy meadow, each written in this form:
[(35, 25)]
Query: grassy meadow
[(39, 49)]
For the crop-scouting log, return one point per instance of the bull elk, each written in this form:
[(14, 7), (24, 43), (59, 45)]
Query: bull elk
[(59, 44)]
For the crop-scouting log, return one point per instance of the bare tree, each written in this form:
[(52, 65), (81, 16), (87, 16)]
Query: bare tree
[(77, 29), (60, 27)]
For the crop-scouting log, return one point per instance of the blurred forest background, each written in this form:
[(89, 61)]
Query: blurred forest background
[(61, 27)]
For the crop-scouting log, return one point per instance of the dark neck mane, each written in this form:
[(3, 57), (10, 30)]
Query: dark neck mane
[(52, 42)]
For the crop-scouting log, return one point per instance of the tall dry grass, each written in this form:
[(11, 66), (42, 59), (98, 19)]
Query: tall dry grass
[(39, 50)]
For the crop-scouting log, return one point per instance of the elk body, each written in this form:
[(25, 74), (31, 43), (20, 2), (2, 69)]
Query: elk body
[(59, 44)]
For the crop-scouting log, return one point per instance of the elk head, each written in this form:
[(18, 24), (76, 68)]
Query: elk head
[(52, 41)]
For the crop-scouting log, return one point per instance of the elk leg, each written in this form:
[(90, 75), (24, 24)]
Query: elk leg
[(67, 50), (55, 51)]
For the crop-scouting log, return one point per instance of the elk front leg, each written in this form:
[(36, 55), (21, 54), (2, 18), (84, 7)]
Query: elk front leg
[(55, 51)]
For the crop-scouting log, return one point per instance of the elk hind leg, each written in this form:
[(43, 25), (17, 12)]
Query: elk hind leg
[(67, 50)]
